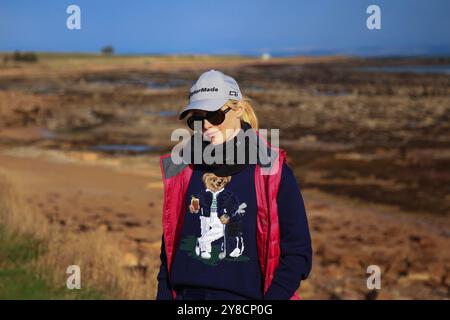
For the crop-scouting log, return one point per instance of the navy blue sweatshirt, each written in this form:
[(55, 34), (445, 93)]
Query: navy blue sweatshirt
[(200, 259)]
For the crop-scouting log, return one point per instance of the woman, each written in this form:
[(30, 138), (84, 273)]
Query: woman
[(234, 227)]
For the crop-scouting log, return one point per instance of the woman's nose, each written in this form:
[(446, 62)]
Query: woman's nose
[(206, 124)]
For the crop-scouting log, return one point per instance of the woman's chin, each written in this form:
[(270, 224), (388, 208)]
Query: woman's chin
[(216, 140)]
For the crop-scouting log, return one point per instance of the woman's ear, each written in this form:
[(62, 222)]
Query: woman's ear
[(239, 111)]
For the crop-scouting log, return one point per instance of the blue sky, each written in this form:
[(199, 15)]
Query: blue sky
[(224, 27)]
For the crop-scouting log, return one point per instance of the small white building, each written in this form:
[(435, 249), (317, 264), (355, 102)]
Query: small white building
[(266, 56)]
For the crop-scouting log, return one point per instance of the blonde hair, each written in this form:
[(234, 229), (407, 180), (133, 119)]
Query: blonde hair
[(249, 115)]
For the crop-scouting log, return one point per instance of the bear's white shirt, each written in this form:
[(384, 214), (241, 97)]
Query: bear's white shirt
[(215, 193)]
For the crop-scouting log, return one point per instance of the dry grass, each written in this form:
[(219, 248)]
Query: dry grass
[(15, 213), (99, 256)]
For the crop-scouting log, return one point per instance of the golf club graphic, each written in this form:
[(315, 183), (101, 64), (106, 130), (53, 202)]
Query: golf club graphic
[(223, 254)]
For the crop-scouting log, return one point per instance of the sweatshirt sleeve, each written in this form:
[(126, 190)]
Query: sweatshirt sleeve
[(164, 288), (295, 240)]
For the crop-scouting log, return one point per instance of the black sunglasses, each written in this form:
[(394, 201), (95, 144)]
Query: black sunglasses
[(213, 117)]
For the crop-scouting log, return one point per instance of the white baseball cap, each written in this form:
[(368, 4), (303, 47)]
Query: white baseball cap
[(211, 91)]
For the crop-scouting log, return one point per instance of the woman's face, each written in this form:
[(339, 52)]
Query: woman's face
[(224, 131)]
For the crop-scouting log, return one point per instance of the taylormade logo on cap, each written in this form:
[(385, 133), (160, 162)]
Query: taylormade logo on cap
[(203, 90), (211, 91)]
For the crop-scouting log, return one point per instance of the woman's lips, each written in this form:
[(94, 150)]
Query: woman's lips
[(210, 133)]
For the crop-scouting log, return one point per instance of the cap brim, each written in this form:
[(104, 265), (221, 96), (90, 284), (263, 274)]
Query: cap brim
[(207, 105)]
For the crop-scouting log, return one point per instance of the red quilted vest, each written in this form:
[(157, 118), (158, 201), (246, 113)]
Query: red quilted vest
[(268, 233)]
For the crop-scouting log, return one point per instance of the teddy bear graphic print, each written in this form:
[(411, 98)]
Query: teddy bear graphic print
[(220, 216), (218, 235)]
